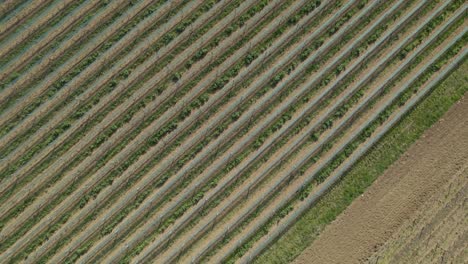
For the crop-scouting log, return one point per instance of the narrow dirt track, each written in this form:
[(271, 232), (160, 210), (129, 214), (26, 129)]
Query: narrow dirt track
[(440, 153)]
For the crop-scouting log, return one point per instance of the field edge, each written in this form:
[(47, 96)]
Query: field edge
[(368, 168)]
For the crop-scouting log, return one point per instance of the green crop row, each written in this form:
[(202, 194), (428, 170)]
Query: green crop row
[(94, 100), (55, 87), (21, 47), (323, 174), (199, 195), (56, 178)]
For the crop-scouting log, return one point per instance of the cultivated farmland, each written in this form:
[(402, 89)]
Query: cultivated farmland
[(135, 131)]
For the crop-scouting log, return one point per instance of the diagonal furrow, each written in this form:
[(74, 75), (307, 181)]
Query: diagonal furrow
[(179, 177), (266, 169), (291, 169), (97, 85), (25, 13), (91, 46), (70, 21), (322, 189), (205, 177)]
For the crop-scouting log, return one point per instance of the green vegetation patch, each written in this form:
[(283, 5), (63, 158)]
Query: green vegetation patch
[(363, 174)]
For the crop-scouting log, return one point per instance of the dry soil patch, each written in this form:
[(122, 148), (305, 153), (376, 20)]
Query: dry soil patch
[(396, 196)]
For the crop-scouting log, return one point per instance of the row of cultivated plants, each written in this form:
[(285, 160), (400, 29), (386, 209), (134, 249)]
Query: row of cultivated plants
[(369, 136), (131, 144), (287, 53), (280, 203), (265, 167)]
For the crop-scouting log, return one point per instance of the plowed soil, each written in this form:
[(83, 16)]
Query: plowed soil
[(408, 206)]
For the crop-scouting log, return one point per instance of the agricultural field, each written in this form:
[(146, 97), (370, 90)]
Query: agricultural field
[(139, 131), (414, 212)]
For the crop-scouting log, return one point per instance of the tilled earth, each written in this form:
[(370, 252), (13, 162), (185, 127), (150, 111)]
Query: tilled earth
[(415, 212)]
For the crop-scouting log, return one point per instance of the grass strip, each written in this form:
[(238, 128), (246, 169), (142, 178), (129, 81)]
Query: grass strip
[(363, 174)]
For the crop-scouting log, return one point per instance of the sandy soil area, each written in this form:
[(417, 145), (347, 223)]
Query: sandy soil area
[(391, 207), (437, 233)]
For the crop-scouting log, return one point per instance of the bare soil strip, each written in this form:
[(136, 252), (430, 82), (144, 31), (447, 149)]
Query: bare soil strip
[(433, 161), (437, 233)]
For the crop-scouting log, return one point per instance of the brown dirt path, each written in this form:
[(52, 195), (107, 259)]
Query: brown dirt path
[(437, 233), (395, 197)]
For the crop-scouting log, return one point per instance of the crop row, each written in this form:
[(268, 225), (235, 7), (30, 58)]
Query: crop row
[(324, 187), (97, 85), (296, 185), (149, 130), (370, 96), (24, 14), (67, 23), (267, 169)]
